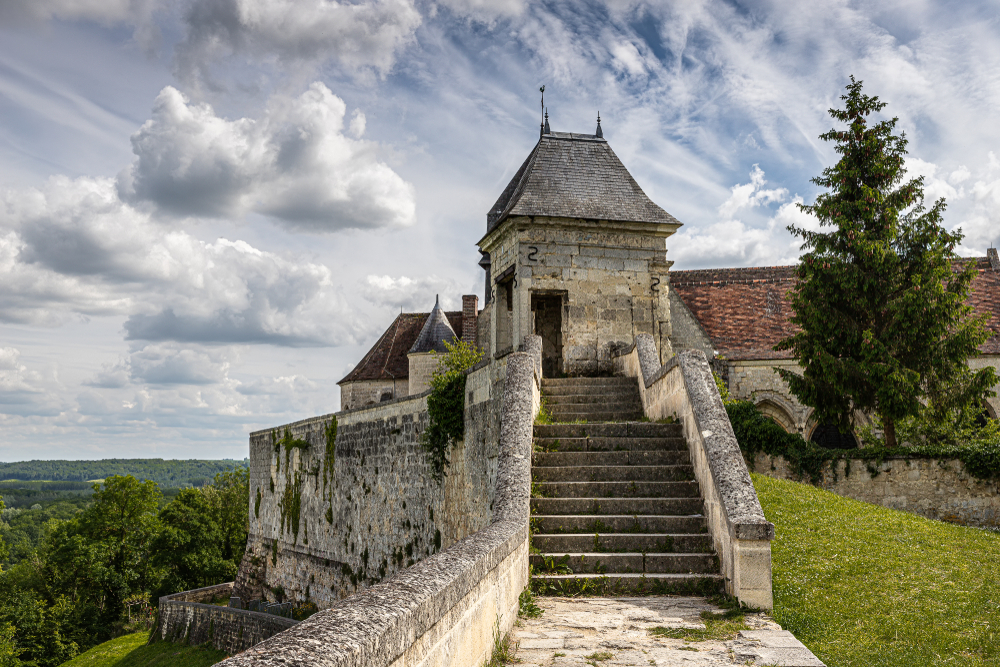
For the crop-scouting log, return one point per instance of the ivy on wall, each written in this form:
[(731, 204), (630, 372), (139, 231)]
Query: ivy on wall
[(446, 404), (755, 434)]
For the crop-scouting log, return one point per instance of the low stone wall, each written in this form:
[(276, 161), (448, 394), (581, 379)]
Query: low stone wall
[(940, 490), (445, 609), (685, 389), (184, 617)]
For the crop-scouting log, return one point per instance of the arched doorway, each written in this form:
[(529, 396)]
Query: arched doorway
[(829, 436)]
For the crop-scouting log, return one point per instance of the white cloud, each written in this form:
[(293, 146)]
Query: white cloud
[(486, 11), (26, 392), (360, 36), (73, 248), (412, 294), (751, 195), (294, 164)]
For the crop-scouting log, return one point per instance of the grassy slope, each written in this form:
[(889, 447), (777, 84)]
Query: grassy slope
[(131, 651), (863, 585)]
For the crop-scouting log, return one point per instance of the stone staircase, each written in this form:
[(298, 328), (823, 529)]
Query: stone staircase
[(592, 399), (615, 507)]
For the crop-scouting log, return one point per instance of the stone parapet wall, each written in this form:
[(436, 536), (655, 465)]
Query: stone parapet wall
[(183, 617), (684, 389), (444, 610), (940, 490)]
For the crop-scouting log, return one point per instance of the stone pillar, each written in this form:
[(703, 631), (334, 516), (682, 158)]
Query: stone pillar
[(470, 313)]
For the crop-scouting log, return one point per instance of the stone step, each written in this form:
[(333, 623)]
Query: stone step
[(617, 523), (618, 444), (571, 585), (606, 473), (554, 386), (598, 416), (603, 490), (589, 399), (635, 429), (623, 542), (612, 506), (608, 563), (612, 458)]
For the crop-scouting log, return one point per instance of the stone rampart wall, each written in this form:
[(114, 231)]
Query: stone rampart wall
[(444, 610), (328, 517), (935, 489), (184, 617)]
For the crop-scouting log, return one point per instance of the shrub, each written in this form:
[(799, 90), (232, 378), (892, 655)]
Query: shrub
[(446, 404)]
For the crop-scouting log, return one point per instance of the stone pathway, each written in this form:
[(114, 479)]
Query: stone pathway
[(614, 632)]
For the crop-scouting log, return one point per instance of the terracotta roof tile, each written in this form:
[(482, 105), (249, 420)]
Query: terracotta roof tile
[(387, 359), (745, 312)]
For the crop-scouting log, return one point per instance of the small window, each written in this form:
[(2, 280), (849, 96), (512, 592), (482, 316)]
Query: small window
[(386, 396)]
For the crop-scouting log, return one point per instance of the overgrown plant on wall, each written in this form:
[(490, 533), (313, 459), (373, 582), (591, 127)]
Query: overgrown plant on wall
[(755, 434), (446, 403), (881, 299)]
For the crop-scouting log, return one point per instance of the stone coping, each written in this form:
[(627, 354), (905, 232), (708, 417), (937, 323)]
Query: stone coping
[(375, 626), (744, 515), (342, 413), (207, 591)]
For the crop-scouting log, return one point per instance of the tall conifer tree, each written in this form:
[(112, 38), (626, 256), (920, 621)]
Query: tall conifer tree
[(880, 300)]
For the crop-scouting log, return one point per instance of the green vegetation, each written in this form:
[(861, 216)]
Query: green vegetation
[(446, 403), (756, 433), (527, 607), (132, 651), (862, 585), (504, 648), (718, 626), (168, 474), (80, 574), (881, 304)]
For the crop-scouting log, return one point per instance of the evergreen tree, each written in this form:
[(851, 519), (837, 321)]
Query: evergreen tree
[(881, 300)]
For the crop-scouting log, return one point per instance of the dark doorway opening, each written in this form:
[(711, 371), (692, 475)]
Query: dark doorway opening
[(546, 310), (830, 437)]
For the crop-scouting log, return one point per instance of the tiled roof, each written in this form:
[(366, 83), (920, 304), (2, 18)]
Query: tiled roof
[(575, 176), (434, 333), (745, 312), (387, 359)]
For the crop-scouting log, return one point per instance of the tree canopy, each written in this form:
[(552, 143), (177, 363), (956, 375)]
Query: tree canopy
[(881, 298)]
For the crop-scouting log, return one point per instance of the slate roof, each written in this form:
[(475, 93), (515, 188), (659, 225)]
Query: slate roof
[(434, 333), (745, 313), (387, 360), (575, 176)]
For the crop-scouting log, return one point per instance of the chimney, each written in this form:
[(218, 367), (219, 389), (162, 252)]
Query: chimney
[(994, 260), (470, 312)]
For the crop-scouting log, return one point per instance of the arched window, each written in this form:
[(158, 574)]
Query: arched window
[(830, 437)]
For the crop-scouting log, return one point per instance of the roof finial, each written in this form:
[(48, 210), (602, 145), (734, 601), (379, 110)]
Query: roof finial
[(437, 300), (541, 126), (600, 132), (545, 129)]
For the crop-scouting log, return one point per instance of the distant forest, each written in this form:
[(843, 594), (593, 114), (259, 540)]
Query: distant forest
[(166, 473)]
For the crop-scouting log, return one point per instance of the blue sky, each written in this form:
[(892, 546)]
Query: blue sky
[(209, 209)]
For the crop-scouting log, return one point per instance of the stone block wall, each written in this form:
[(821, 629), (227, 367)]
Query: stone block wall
[(185, 617), (364, 393), (940, 490), (615, 286), (328, 518)]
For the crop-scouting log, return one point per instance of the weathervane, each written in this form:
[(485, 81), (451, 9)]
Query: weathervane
[(541, 131)]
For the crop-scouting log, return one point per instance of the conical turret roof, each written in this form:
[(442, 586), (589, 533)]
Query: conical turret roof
[(436, 331)]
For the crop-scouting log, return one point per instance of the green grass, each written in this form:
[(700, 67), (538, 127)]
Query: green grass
[(863, 585), (131, 651)]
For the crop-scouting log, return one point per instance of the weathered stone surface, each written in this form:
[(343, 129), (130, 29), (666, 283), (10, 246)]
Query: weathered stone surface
[(571, 630), (940, 490), (441, 610), (185, 617)]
